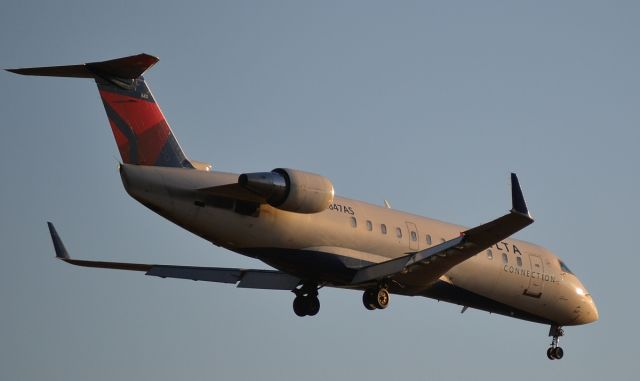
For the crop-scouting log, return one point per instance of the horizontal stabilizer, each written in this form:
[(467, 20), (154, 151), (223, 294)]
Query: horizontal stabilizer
[(122, 68)]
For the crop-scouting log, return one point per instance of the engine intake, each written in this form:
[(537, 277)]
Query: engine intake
[(290, 189)]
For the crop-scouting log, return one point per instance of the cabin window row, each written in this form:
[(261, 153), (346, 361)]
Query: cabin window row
[(505, 258), (398, 231)]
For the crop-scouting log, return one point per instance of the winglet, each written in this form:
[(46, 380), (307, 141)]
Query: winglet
[(61, 252), (517, 198)]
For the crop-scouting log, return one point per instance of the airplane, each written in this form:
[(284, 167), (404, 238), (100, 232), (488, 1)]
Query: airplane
[(292, 221)]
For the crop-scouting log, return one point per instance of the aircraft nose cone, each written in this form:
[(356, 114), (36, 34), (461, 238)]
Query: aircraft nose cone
[(582, 307), (588, 312), (593, 312)]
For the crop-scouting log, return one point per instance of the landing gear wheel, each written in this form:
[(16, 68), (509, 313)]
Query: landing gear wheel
[(558, 353), (312, 305), (368, 300), (306, 302), (300, 306), (382, 298), (555, 352), (376, 298)]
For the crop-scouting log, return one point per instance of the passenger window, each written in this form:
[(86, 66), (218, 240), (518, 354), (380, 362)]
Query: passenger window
[(414, 236), (354, 222), (369, 225), (489, 254), (505, 259), (383, 228), (519, 261), (398, 232), (429, 239)]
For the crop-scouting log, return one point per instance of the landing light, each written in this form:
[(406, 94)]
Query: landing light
[(580, 291)]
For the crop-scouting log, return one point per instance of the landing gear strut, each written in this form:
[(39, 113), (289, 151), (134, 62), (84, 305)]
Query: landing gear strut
[(306, 302), (555, 352), (376, 298)]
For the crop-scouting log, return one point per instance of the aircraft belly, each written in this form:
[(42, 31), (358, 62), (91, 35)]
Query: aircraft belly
[(307, 264), (453, 294)]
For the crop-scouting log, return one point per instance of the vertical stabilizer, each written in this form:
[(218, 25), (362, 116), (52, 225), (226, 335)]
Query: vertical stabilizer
[(140, 129)]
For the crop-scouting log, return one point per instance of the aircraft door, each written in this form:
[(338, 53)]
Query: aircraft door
[(535, 280), (414, 237)]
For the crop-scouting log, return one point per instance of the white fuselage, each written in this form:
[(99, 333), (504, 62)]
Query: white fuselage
[(513, 277)]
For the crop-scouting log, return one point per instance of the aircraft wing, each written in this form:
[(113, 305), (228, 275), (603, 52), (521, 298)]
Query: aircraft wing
[(417, 271), (244, 278)]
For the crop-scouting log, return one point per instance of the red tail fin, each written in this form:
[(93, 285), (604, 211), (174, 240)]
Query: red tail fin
[(142, 133)]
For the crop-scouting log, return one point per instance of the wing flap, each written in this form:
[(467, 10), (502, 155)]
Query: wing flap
[(398, 265), (270, 280), (207, 274), (245, 278)]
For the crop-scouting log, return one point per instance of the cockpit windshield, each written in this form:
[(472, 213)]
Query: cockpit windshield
[(564, 267)]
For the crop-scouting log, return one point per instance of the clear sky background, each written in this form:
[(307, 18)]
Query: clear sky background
[(427, 104)]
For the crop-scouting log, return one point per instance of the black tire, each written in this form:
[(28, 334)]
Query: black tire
[(367, 300), (300, 306), (312, 305), (558, 353), (382, 298), (550, 354)]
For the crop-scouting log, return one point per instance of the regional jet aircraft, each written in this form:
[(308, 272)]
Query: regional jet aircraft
[(292, 221)]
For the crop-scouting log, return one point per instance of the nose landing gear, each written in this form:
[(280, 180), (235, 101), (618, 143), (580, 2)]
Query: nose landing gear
[(555, 352)]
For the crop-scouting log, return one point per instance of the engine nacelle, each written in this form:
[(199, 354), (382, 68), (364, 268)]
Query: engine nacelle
[(290, 189)]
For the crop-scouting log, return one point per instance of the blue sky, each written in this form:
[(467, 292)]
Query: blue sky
[(427, 104)]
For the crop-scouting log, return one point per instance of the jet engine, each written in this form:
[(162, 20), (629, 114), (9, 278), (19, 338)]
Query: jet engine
[(290, 189)]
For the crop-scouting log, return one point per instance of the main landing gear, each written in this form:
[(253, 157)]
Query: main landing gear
[(555, 352), (306, 302), (376, 298)]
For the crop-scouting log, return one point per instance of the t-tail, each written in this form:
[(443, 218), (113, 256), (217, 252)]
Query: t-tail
[(141, 131)]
